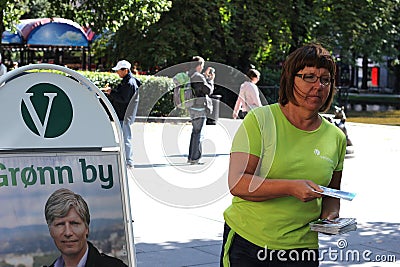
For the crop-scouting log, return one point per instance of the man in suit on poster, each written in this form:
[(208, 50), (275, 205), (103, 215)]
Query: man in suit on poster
[(67, 216)]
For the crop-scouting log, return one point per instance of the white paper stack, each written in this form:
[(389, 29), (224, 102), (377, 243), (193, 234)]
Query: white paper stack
[(334, 227)]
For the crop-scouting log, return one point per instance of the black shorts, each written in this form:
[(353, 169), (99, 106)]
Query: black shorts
[(238, 252)]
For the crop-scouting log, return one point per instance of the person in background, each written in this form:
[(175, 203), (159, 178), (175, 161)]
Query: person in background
[(15, 65), (135, 69), (68, 218), (3, 68), (203, 87), (125, 100), (280, 155), (249, 96)]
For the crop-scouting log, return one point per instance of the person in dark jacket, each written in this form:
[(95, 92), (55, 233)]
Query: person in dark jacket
[(125, 100), (97, 259), (68, 218), (203, 87)]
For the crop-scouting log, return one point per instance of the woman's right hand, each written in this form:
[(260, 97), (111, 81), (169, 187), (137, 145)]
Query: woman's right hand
[(305, 190)]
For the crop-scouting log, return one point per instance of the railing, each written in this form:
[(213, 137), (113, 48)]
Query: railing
[(270, 93), (348, 96)]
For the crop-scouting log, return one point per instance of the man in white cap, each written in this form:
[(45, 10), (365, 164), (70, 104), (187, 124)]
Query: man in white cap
[(3, 68), (125, 100)]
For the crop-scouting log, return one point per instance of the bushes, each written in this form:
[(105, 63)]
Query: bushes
[(101, 79), (156, 93)]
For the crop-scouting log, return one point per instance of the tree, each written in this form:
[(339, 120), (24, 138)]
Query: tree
[(252, 32), (364, 29), (238, 33), (97, 14), (36, 9), (102, 16), (230, 32), (188, 28), (109, 14), (11, 11)]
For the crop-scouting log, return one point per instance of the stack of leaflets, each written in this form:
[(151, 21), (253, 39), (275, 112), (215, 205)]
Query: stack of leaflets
[(334, 227)]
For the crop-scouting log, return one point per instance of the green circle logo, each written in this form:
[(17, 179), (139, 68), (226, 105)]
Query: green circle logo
[(46, 110)]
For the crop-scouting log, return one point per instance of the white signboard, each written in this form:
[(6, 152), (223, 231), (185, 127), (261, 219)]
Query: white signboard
[(59, 132), (52, 111)]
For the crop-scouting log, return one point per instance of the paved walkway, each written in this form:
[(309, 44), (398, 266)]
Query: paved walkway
[(177, 208)]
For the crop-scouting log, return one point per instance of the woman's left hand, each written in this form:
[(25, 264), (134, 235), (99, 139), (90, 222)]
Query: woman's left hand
[(332, 215)]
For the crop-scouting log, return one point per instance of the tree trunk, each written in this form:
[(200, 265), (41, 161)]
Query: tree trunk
[(397, 79), (353, 72), (1, 28), (364, 83)]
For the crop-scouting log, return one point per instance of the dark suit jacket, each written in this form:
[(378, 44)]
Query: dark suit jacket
[(97, 259)]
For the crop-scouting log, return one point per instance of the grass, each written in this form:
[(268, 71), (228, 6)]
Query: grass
[(375, 117)]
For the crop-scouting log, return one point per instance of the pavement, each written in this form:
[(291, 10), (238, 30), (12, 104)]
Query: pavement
[(177, 208)]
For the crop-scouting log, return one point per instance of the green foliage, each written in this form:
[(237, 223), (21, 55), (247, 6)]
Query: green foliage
[(220, 31), (156, 96), (109, 14), (11, 11), (187, 29), (356, 28), (247, 25), (36, 9), (101, 79), (162, 33), (99, 15), (270, 76), (156, 93)]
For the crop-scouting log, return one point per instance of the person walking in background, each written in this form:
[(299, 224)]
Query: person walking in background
[(125, 100), (3, 68), (203, 87), (280, 155), (249, 96), (68, 218)]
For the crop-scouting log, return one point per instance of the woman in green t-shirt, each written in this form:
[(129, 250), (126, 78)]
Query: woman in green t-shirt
[(280, 155)]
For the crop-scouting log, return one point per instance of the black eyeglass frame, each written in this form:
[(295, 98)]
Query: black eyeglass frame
[(301, 75)]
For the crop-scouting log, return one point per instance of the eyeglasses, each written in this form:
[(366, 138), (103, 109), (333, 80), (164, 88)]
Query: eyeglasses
[(312, 78)]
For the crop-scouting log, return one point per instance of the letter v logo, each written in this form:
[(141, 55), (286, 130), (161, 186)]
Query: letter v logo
[(46, 110), (38, 124)]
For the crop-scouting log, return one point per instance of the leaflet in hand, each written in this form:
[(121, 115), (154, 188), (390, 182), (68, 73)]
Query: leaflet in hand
[(336, 193)]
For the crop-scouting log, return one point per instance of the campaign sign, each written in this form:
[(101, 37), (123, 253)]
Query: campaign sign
[(58, 134)]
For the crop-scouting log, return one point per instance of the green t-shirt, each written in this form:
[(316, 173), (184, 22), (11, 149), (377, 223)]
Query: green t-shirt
[(291, 153)]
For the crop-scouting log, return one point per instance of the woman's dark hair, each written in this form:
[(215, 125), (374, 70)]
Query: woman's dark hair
[(253, 73), (311, 55)]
